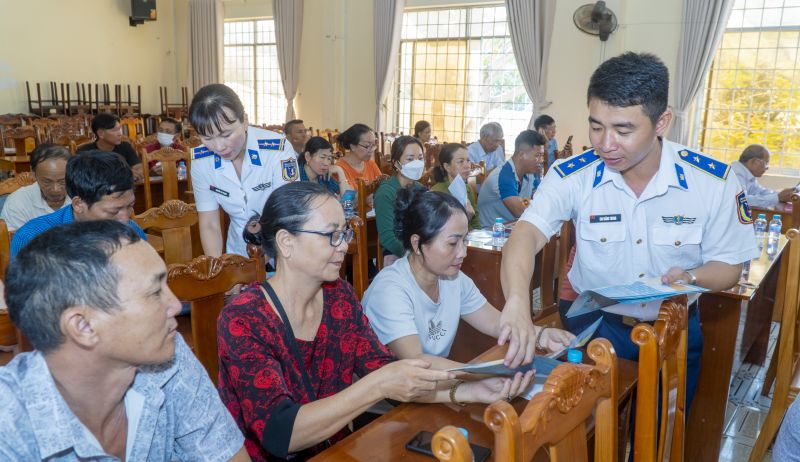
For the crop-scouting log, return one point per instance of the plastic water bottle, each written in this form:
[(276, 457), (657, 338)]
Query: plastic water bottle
[(498, 232), (761, 230), (774, 236), (349, 211), (181, 171)]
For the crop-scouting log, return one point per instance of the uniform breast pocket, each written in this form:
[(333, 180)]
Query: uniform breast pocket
[(601, 245), (678, 245)]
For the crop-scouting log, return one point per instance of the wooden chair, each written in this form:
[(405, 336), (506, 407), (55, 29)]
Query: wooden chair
[(556, 418), (787, 377), (662, 367), (363, 190), (169, 172), (357, 253), (203, 282), (449, 444), (23, 138), (12, 184), (8, 333), (132, 127), (174, 219)]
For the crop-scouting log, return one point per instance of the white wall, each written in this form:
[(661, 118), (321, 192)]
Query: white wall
[(90, 41)]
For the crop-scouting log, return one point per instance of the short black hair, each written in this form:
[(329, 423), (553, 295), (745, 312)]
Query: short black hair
[(445, 157), (92, 175), (529, 138), (543, 121), (104, 121), (632, 79), (207, 111), (63, 267), (48, 151), (351, 136), (288, 125), (178, 126), (422, 212), (420, 126), (288, 207), (400, 144), (314, 144)]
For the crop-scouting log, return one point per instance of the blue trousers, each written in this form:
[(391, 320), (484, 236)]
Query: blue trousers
[(619, 335)]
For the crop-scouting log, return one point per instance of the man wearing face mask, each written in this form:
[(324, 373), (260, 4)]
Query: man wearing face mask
[(169, 131), (507, 190), (408, 161)]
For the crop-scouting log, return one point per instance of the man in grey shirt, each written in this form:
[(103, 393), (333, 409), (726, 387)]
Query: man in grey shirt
[(111, 379)]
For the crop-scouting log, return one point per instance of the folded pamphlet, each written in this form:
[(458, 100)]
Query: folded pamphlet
[(636, 292)]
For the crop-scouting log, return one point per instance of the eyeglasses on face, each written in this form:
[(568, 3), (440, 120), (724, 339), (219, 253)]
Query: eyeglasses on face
[(368, 147), (335, 237)]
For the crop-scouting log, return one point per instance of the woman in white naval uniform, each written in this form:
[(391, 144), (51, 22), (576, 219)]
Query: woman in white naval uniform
[(236, 168)]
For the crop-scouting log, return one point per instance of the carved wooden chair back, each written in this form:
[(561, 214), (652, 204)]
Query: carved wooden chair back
[(203, 282), (174, 219), (358, 261), (12, 184), (662, 367), (556, 417), (363, 191), (169, 172), (450, 445), (24, 139)]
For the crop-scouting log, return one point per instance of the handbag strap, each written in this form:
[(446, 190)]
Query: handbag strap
[(289, 337)]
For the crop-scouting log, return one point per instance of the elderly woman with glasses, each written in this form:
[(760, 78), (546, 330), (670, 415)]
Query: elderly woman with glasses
[(358, 143), (289, 348)]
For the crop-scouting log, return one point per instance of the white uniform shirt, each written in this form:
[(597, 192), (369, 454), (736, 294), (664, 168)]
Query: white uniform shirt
[(25, 204), (757, 195), (692, 211), (270, 163), (397, 307)]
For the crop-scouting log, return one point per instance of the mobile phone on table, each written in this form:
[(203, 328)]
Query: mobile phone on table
[(421, 443)]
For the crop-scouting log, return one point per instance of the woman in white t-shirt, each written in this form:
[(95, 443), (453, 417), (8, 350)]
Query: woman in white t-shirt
[(414, 305)]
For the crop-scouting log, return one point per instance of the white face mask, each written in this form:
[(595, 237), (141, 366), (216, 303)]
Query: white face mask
[(413, 170), (165, 139)]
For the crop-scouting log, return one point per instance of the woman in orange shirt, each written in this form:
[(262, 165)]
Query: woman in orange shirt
[(358, 143)]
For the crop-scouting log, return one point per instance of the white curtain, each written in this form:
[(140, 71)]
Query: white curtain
[(531, 27), (388, 18), (704, 22), (205, 26), (288, 35)]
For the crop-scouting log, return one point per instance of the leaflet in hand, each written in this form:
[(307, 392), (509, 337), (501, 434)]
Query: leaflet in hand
[(542, 364), (458, 189), (636, 292)]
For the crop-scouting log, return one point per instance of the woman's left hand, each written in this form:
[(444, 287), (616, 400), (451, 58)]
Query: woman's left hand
[(493, 389), (555, 339)]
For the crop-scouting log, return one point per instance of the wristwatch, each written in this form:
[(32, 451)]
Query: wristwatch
[(692, 278)]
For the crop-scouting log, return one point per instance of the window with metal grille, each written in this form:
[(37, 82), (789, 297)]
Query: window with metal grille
[(457, 71), (251, 69), (753, 90)]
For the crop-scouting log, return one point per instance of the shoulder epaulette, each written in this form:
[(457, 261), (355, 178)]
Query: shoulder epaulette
[(274, 144), (200, 152), (576, 164), (705, 164)]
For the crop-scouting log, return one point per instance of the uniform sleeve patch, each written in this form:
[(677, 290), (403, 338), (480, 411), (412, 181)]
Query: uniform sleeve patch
[(200, 152), (743, 209), (705, 164), (289, 169), (576, 164), (274, 144)]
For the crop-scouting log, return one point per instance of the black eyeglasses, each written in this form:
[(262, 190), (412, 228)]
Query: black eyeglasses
[(336, 237)]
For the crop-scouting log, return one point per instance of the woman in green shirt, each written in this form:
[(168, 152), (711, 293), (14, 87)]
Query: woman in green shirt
[(453, 160), (408, 161)]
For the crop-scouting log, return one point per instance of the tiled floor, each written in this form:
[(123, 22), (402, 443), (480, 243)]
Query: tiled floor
[(746, 408)]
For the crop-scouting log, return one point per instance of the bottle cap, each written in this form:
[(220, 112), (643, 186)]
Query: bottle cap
[(776, 217), (574, 356), (498, 220), (761, 215), (464, 432)]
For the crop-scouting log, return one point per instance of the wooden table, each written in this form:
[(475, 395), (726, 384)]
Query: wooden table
[(720, 314), (384, 439), (782, 209)]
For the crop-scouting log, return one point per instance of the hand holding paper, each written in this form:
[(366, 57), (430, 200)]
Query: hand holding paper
[(459, 189)]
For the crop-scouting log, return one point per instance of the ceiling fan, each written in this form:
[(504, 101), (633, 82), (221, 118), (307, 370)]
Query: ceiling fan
[(595, 19)]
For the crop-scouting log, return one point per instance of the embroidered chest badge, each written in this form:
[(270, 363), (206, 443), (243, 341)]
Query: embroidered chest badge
[(678, 220), (289, 169)]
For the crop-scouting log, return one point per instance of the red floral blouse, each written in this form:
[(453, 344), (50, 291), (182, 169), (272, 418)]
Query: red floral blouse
[(260, 381)]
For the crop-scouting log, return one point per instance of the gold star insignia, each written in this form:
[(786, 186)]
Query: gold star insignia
[(682, 177), (582, 160), (696, 159), (570, 165), (599, 174), (711, 165)]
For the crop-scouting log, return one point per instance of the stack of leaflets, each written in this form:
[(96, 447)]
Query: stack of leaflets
[(639, 292)]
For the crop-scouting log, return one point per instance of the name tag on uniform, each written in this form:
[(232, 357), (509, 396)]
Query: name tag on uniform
[(612, 218), (221, 192)]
